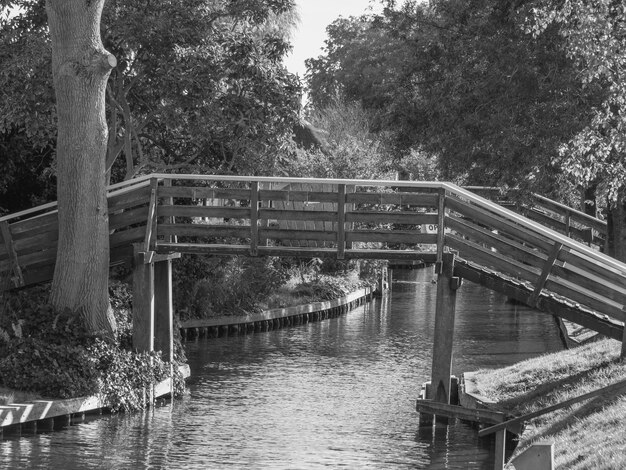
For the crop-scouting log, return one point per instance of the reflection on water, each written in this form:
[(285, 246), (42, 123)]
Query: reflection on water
[(339, 393)]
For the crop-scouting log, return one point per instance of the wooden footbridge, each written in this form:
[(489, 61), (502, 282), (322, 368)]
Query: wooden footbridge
[(154, 219)]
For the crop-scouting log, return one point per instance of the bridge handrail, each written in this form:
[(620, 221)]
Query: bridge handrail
[(555, 205), (112, 190), (536, 227)]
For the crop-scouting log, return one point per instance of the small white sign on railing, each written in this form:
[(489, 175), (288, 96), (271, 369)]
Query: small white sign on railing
[(429, 228)]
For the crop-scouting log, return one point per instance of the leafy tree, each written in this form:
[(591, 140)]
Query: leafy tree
[(350, 150), (461, 81), (594, 34), (196, 82)]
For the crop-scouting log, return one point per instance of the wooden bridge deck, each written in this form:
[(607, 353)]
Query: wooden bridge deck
[(348, 219)]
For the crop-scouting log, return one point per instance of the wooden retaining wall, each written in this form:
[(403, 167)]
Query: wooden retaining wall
[(274, 319), (53, 414)]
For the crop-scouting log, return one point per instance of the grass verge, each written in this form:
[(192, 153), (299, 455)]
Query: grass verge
[(587, 435)]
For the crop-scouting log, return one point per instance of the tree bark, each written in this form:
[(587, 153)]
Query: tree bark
[(80, 68)]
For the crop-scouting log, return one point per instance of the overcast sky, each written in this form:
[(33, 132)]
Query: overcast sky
[(315, 15)]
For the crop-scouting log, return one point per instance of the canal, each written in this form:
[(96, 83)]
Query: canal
[(334, 394)]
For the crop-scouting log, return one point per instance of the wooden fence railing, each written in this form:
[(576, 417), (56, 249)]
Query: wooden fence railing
[(560, 217), (346, 219)]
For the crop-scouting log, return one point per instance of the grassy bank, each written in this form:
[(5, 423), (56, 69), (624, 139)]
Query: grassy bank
[(587, 435)]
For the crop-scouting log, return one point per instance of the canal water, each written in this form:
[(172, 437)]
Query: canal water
[(334, 394)]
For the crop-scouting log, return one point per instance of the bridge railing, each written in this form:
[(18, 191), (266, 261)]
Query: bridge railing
[(546, 262), (298, 217), (28, 239), (560, 217)]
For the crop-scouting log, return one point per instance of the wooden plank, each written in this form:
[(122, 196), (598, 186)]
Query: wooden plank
[(129, 236), (545, 272), (44, 222), (137, 197), (594, 267), (297, 215), (400, 199), (384, 217), (205, 211), (200, 192), (203, 230), (29, 259), (287, 234), (500, 450), (151, 223), (129, 217), (341, 222), (17, 277), (576, 293), (391, 236), (458, 412), (290, 195), (546, 220), (223, 249), (143, 302), (493, 240), (576, 215), (497, 222), (38, 242), (572, 274), (441, 224), (492, 259), (254, 217), (163, 310), (444, 331)]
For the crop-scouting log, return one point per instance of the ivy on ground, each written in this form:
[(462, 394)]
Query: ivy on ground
[(51, 353)]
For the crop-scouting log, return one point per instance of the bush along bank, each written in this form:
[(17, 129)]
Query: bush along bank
[(293, 291), (50, 354), (586, 435)]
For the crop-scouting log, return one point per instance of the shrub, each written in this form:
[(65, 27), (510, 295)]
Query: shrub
[(210, 285), (53, 354)]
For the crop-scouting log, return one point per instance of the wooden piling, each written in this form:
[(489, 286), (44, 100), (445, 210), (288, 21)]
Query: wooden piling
[(143, 301), (447, 286), (164, 310)]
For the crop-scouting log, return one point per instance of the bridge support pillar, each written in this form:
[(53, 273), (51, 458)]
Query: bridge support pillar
[(143, 301), (164, 310), (152, 302), (447, 286)]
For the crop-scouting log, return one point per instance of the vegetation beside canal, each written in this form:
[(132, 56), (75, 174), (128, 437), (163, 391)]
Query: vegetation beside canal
[(586, 435), (47, 354)]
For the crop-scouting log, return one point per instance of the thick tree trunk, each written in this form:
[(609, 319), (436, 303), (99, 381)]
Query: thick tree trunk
[(80, 68)]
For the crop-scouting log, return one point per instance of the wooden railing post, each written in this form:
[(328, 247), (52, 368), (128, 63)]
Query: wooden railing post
[(163, 313), (143, 301), (341, 221), (17, 279), (170, 202), (441, 214), (543, 278), (151, 224), (447, 286), (500, 450), (254, 218)]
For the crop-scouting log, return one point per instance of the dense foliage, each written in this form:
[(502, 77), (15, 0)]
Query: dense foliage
[(207, 286), (461, 81), (52, 353), (199, 86)]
